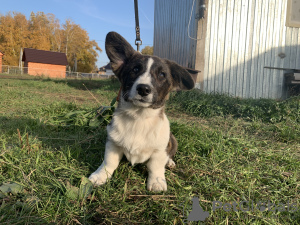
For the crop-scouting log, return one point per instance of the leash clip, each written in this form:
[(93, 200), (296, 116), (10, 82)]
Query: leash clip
[(138, 43)]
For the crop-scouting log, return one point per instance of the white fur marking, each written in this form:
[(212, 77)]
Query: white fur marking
[(112, 157), (156, 166), (139, 131), (171, 164), (145, 78)]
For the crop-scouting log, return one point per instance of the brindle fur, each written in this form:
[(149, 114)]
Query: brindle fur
[(172, 146)]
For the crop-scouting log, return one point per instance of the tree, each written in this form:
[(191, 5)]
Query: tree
[(148, 50), (39, 31), (78, 47), (56, 32), (13, 34), (44, 31)]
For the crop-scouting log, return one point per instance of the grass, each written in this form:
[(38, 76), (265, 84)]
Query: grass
[(230, 150)]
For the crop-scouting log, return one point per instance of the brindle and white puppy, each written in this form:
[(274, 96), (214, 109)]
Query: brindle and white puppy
[(139, 128)]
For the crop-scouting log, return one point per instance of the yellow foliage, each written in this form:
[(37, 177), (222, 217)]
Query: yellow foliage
[(44, 31), (147, 50)]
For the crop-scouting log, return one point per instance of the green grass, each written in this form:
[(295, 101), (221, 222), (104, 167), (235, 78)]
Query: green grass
[(230, 150), (281, 117)]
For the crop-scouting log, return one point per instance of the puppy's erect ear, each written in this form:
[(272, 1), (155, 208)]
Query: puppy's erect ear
[(118, 51), (182, 79)]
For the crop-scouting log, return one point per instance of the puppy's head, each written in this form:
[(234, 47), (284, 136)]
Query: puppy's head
[(146, 80)]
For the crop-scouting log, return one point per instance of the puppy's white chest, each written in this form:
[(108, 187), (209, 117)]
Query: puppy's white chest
[(139, 157), (139, 137)]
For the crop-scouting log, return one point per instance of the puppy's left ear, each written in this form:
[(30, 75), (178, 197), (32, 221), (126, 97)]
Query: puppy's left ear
[(182, 79)]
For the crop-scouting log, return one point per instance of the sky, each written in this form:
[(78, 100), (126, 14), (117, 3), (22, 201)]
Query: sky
[(97, 17)]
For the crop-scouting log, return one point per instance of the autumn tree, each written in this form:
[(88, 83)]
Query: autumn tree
[(78, 47), (39, 31), (148, 50), (56, 33), (44, 32), (13, 35)]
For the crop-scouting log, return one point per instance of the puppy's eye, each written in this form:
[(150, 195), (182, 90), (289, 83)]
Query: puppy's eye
[(135, 69), (162, 75)]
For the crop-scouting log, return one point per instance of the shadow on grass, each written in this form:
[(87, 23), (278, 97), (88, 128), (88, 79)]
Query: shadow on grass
[(85, 145), (43, 158), (83, 84), (111, 84), (14, 213)]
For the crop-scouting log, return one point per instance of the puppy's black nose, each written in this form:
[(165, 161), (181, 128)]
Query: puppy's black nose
[(143, 89)]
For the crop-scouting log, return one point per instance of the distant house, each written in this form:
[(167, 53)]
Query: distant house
[(101, 70), (46, 63), (107, 70), (1, 54)]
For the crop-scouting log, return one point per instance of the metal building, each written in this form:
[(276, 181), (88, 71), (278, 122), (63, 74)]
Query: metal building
[(241, 47)]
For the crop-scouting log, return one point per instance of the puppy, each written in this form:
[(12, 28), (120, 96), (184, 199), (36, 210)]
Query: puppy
[(139, 128)]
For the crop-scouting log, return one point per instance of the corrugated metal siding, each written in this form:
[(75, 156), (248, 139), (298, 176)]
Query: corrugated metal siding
[(244, 36), (171, 39)]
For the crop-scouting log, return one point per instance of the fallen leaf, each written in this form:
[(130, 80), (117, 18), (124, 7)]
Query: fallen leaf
[(80, 193), (13, 188)]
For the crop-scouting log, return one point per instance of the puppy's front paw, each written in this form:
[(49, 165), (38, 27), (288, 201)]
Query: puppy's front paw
[(157, 184), (98, 179)]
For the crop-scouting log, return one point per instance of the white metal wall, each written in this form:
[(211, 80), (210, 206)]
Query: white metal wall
[(171, 41), (244, 36)]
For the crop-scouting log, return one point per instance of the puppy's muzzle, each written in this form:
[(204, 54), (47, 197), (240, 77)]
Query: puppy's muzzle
[(143, 89)]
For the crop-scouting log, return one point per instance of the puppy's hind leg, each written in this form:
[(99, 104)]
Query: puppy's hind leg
[(171, 150), (171, 164), (112, 158)]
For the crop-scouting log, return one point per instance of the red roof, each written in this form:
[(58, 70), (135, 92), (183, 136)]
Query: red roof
[(41, 56)]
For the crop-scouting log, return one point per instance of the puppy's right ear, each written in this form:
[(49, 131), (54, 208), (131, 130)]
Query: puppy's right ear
[(118, 51)]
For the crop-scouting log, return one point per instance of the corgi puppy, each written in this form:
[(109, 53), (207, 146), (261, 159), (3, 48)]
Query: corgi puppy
[(139, 128)]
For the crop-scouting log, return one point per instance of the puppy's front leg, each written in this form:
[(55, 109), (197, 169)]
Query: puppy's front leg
[(112, 157), (156, 169)]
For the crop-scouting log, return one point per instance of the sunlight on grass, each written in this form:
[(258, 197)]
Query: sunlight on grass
[(230, 150)]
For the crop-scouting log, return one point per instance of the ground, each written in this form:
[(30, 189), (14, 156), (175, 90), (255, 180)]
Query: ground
[(230, 150)]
